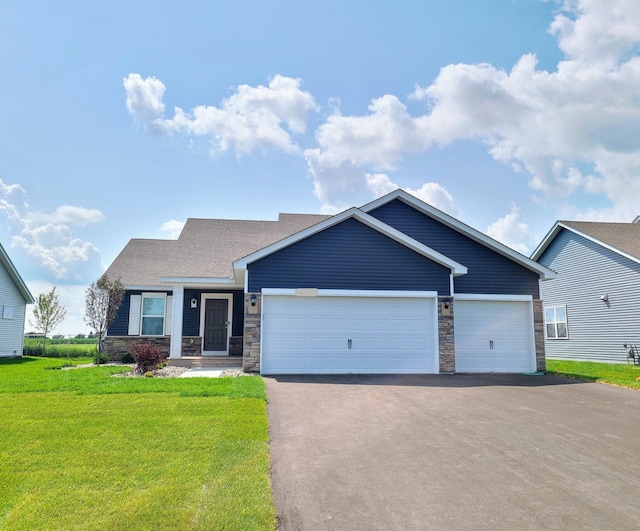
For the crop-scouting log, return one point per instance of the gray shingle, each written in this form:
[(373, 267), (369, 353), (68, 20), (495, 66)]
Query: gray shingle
[(206, 248), (624, 237)]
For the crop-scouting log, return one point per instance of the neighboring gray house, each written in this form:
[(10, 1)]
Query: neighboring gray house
[(395, 286), (592, 307), (14, 297)]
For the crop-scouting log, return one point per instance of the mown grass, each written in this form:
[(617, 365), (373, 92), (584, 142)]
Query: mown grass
[(619, 374), (83, 450)]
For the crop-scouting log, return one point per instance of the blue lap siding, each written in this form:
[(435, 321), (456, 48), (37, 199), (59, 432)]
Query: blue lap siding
[(488, 271), (350, 256), (191, 316)]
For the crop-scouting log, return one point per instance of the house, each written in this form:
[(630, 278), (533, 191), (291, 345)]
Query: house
[(395, 286), (14, 297), (592, 307)]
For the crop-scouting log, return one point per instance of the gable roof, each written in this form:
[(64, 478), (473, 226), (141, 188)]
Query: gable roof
[(622, 238), (15, 276), (205, 249), (456, 268), (455, 224)]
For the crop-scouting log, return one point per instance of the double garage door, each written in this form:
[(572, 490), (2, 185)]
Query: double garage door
[(348, 334), (391, 334)]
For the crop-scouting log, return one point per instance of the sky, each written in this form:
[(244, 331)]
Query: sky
[(122, 119)]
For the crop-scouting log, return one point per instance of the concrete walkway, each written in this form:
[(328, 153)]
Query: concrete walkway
[(453, 452), (203, 373)]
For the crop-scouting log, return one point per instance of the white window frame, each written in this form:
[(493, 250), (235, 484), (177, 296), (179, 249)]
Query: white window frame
[(136, 316), (555, 321)]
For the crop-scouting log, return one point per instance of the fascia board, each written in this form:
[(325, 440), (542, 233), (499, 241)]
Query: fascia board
[(456, 268), (457, 225), (197, 280), (289, 240), (542, 246), (15, 276)]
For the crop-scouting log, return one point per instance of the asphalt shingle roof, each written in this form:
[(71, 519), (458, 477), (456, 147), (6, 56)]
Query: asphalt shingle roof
[(206, 248), (622, 236)]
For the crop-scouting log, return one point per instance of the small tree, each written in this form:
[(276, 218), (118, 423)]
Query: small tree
[(103, 299), (47, 314)]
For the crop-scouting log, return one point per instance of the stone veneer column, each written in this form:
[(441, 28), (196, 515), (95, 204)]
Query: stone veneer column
[(538, 331), (446, 342), (251, 345)]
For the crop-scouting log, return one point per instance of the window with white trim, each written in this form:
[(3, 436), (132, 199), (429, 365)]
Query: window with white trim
[(152, 314), (555, 321)]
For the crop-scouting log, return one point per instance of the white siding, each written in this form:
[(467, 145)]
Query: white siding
[(586, 271), (11, 330)]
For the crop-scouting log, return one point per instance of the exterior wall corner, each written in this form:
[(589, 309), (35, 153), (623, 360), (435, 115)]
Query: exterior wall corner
[(252, 332), (446, 340), (538, 332)]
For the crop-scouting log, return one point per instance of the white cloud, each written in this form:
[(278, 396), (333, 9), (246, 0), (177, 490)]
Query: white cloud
[(144, 99), (512, 232), (47, 237), (173, 228), (573, 130), (251, 118), (436, 195)]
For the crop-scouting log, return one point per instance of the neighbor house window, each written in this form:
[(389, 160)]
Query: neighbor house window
[(555, 320), (153, 311)]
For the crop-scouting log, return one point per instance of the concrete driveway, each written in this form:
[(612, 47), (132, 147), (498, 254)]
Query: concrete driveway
[(453, 452)]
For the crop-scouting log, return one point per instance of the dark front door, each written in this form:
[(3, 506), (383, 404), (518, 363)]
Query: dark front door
[(215, 325)]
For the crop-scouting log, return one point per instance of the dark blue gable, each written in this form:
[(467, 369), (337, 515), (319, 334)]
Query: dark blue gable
[(488, 271), (348, 255)]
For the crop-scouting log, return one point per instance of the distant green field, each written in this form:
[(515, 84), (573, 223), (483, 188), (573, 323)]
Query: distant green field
[(61, 348)]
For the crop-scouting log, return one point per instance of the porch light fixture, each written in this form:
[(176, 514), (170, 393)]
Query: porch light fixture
[(253, 299), (446, 305), (194, 302)]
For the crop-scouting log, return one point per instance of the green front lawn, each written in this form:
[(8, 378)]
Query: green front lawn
[(611, 373), (82, 450)]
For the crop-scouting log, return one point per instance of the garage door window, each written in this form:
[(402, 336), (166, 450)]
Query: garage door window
[(555, 318)]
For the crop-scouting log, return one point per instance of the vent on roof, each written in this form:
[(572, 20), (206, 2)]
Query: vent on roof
[(637, 220)]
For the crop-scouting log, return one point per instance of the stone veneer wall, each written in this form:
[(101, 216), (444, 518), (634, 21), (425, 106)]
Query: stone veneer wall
[(251, 348), (538, 331), (446, 342), (115, 346), (191, 346)]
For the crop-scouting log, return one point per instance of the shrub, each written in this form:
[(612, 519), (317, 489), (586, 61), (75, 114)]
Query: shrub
[(127, 358), (147, 356), (148, 374), (103, 358)]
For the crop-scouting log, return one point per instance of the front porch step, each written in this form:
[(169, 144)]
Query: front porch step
[(209, 362)]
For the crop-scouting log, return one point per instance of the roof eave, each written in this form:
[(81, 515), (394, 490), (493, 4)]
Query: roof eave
[(457, 225)]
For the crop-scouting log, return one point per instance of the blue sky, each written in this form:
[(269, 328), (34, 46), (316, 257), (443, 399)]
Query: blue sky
[(122, 119)]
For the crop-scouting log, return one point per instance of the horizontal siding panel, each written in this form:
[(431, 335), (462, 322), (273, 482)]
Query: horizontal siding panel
[(348, 255), (11, 330), (586, 271), (488, 271)]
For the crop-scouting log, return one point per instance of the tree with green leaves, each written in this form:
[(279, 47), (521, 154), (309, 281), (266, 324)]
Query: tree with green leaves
[(103, 298), (47, 314)]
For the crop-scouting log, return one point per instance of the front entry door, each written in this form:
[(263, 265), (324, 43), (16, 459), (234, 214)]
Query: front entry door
[(215, 325)]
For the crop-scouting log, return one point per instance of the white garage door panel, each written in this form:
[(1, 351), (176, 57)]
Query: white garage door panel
[(493, 336), (310, 335)]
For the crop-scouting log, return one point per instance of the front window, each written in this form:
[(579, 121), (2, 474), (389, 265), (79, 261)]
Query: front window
[(153, 310), (555, 319)]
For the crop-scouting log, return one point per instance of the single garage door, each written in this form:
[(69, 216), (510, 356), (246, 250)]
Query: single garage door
[(348, 334), (493, 336)]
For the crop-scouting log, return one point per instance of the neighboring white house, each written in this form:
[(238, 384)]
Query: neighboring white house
[(14, 297)]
